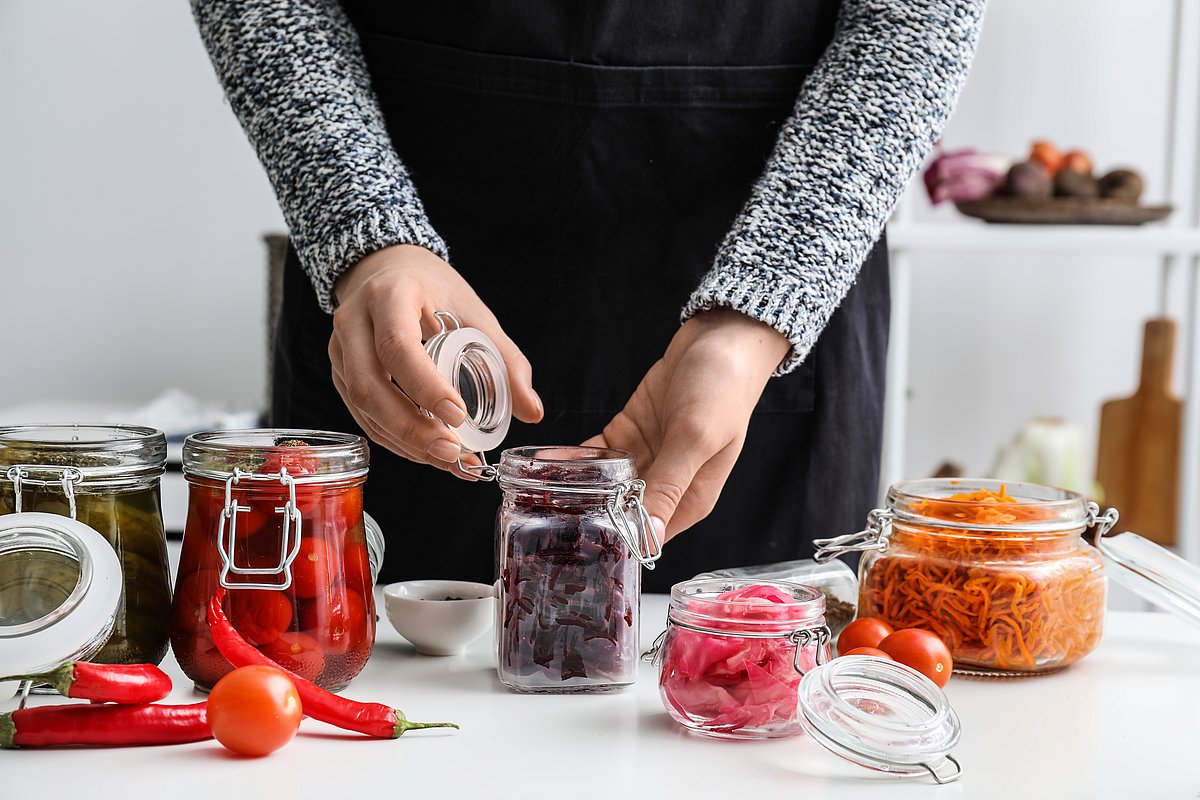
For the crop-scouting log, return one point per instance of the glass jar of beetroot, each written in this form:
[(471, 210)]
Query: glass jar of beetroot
[(276, 517), (734, 653), (572, 536)]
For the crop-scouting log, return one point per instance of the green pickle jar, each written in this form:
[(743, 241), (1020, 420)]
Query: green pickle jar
[(106, 477)]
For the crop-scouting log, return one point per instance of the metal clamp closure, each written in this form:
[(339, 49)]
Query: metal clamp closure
[(803, 638), (874, 537), (626, 510), (289, 540), (22, 475), (1103, 523)]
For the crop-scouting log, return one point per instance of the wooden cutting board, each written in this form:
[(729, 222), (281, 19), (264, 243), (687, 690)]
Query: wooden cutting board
[(1137, 459)]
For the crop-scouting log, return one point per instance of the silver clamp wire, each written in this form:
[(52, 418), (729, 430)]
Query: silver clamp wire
[(24, 474), (874, 537), (1103, 522), (803, 638), (227, 532)]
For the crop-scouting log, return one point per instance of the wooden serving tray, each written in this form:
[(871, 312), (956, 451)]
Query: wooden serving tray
[(1061, 211)]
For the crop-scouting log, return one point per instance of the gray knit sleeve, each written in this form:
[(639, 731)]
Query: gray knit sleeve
[(865, 120), (295, 77)]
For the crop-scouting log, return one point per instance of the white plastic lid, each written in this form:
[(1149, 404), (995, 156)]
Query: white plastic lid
[(469, 359), (882, 715), (73, 627)]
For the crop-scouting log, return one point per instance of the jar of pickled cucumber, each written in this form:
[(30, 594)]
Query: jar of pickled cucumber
[(275, 517), (106, 477)]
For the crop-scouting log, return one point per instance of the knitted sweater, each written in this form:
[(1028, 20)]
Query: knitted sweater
[(864, 121)]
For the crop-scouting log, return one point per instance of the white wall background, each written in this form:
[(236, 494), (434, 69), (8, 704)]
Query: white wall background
[(131, 210)]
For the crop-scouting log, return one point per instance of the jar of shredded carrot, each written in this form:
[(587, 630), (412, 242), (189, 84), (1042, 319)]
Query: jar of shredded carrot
[(999, 571)]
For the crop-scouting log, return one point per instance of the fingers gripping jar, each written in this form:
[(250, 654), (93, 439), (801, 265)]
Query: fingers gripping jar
[(572, 536), (107, 478), (276, 517)]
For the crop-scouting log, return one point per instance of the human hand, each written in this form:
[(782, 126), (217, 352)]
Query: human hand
[(686, 422), (386, 305)]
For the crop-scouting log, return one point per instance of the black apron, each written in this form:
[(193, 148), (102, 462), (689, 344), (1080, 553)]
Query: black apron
[(583, 161)]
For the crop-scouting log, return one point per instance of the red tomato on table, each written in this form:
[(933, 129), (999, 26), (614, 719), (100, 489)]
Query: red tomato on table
[(864, 632), (921, 650), (254, 710)]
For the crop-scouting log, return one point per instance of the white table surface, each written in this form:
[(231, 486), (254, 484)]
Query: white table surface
[(1122, 723)]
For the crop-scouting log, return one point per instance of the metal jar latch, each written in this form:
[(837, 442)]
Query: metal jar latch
[(803, 638), (22, 475), (873, 537), (227, 532)]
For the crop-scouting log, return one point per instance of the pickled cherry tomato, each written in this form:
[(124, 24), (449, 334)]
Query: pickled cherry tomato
[(259, 615), (337, 619), (358, 566), (298, 653), (313, 569), (189, 610)]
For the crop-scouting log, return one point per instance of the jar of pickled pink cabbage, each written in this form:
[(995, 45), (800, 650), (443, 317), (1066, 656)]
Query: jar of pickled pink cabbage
[(734, 652)]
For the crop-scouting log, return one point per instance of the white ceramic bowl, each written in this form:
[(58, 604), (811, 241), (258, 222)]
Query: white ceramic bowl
[(420, 612)]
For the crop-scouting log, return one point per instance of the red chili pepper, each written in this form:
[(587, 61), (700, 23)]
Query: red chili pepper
[(49, 726), (372, 719), (128, 684)]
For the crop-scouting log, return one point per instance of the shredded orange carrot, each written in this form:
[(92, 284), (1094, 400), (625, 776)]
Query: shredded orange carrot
[(999, 599)]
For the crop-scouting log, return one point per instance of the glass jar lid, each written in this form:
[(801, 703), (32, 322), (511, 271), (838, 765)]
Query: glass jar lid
[(1150, 570), (60, 587), (881, 715), (470, 361)]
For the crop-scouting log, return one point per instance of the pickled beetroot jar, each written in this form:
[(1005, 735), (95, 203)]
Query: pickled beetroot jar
[(276, 517), (572, 537)]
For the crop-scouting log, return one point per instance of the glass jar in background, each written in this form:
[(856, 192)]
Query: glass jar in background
[(734, 653), (998, 570), (571, 538), (276, 517), (106, 477)]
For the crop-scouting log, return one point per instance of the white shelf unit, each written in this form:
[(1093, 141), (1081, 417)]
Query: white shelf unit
[(1176, 243)]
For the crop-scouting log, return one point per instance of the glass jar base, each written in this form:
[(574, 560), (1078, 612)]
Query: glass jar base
[(606, 688), (744, 736), (970, 671), (207, 689)]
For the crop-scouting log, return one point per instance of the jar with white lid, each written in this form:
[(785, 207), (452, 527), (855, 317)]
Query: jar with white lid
[(107, 478)]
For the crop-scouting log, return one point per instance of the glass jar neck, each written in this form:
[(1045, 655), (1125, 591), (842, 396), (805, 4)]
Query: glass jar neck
[(550, 468), (983, 543), (731, 606), (88, 457), (308, 456)]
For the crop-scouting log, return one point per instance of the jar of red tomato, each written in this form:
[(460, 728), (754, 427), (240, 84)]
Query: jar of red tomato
[(276, 517), (734, 652), (572, 537), (999, 571)]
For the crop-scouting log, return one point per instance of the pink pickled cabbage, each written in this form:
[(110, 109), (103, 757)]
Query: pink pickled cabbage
[(964, 175), (730, 683)]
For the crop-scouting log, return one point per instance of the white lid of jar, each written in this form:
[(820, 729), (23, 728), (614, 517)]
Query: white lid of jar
[(882, 715), (78, 625), (471, 362)]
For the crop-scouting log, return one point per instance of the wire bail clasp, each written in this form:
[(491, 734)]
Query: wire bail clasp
[(25, 474), (874, 537), (289, 540), (1102, 522), (816, 638), (627, 511)]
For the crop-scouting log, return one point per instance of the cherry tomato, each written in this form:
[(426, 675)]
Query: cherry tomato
[(921, 650), (298, 653), (358, 566), (189, 610), (254, 710), (865, 632), (259, 615), (312, 571), (867, 651), (337, 619)]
